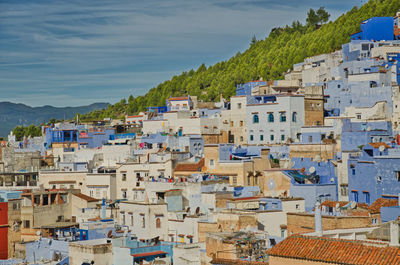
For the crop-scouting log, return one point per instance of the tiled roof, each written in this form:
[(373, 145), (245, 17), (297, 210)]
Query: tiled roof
[(382, 202), (333, 203), (190, 166), (236, 261), (337, 251), (379, 144), (86, 198)]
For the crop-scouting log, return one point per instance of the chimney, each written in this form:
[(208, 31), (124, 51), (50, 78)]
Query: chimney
[(318, 219), (394, 234)]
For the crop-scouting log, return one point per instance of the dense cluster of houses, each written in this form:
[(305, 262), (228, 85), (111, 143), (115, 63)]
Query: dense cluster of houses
[(270, 176)]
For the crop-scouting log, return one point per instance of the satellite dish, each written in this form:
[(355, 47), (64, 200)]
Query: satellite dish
[(286, 165), (109, 234), (337, 205), (271, 184), (369, 128), (292, 164), (317, 158), (382, 148), (311, 170), (353, 205), (38, 233)]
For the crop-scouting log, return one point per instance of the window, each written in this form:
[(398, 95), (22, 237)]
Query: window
[(124, 177), (310, 138), (241, 123), (131, 220), (255, 118), (297, 206), (239, 105), (270, 117), (158, 222), (241, 138), (251, 137), (261, 137), (355, 195), (358, 116), (256, 180), (26, 224), (353, 171), (231, 123), (294, 116), (248, 180), (343, 191), (283, 233), (234, 180), (272, 137), (283, 137), (124, 194), (283, 116), (123, 219), (15, 206), (367, 197), (211, 162), (143, 222), (398, 175)]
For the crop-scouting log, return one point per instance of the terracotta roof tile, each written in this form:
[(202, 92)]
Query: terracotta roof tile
[(337, 251), (190, 166), (379, 144), (382, 202), (333, 203)]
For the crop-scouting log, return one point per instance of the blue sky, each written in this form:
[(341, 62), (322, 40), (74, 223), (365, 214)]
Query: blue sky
[(71, 53)]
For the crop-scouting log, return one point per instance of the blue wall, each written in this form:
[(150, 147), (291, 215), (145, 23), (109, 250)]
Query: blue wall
[(376, 28)]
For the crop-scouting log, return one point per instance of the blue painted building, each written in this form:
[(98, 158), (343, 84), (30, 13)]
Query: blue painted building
[(129, 250), (315, 181), (6, 195), (98, 229), (390, 213), (375, 28), (245, 89), (46, 249), (69, 133), (374, 173), (357, 134)]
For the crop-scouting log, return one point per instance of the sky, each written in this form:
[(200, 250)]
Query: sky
[(77, 52)]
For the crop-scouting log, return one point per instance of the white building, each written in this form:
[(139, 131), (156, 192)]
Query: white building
[(275, 118)]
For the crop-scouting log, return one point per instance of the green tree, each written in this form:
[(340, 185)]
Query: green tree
[(253, 40), (323, 16), (312, 18)]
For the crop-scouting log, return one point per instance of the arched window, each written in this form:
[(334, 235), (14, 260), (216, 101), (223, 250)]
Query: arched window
[(255, 118), (158, 223), (271, 117)]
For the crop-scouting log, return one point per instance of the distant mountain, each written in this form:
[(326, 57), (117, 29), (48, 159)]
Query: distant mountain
[(12, 114)]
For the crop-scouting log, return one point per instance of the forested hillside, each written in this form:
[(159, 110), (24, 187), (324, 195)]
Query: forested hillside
[(267, 58)]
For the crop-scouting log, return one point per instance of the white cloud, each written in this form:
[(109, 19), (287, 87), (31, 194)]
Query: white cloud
[(58, 47)]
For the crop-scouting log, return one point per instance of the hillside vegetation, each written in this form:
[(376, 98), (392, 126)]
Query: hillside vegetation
[(266, 59)]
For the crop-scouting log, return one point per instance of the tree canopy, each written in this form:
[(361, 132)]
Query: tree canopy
[(266, 59)]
